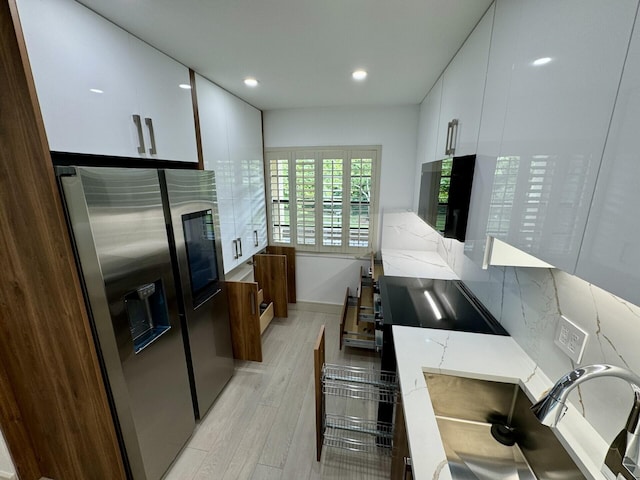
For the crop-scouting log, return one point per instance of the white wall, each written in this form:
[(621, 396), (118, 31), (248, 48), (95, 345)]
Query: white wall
[(395, 128)]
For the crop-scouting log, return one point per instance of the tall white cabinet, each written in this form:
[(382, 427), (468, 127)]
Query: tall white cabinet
[(462, 92), (103, 91), (231, 133), (610, 256), (554, 69)]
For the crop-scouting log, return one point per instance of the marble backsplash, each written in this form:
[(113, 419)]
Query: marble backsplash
[(528, 302)]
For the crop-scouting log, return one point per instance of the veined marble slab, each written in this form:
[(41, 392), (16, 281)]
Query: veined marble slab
[(416, 263), (486, 357)]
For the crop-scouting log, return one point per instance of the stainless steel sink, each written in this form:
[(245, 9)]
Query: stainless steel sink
[(466, 409)]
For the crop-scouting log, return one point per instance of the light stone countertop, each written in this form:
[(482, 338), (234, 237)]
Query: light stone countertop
[(416, 263), (487, 357)]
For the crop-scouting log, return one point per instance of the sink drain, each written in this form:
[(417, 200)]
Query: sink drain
[(504, 434)]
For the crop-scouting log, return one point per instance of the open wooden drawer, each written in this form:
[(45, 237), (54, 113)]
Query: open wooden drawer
[(356, 330), (266, 313)]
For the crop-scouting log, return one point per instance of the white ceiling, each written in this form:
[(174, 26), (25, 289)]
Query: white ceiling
[(303, 51)]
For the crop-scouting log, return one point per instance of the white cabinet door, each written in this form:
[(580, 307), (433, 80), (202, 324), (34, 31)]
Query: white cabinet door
[(463, 89), (212, 109), (564, 74), (239, 154), (231, 133), (609, 256), (83, 77), (166, 109), (92, 77), (256, 179), (427, 133)]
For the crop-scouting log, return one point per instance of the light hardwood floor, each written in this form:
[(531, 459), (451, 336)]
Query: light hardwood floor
[(262, 426)]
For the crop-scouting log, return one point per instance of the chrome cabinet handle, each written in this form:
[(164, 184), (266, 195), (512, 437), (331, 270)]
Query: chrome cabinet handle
[(152, 136), (136, 120), (446, 143), (453, 142), (408, 474), (235, 249), (240, 243), (255, 236)]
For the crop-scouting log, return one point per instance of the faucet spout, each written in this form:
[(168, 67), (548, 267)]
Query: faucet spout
[(624, 454)]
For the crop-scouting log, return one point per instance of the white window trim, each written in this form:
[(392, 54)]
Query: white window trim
[(290, 153)]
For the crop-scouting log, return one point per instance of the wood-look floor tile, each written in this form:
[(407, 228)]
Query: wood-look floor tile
[(262, 426)]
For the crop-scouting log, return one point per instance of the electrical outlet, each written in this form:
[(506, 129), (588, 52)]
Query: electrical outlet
[(571, 339)]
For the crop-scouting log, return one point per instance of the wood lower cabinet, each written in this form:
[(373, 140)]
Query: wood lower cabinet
[(400, 458), (248, 319), (270, 271), (252, 305)]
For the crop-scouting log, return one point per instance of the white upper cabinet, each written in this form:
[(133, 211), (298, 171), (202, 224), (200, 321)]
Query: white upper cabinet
[(559, 65), (165, 107), (427, 133), (231, 133), (610, 257), (92, 77), (462, 93)]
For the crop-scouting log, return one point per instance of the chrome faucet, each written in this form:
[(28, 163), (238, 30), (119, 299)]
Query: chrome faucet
[(623, 456)]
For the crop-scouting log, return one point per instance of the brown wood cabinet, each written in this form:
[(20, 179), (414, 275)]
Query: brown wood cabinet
[(247, 321), (54, 411)]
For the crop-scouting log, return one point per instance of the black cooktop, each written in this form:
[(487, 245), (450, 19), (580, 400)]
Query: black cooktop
[(429, 303)]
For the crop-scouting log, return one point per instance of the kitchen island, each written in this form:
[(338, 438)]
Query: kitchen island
[(485, 357)]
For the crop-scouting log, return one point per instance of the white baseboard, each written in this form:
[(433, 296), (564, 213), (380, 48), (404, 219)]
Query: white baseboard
[(7, 476)]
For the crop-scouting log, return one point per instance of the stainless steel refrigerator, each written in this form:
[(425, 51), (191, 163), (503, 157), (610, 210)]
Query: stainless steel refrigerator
[(192, 218), (131, 257)]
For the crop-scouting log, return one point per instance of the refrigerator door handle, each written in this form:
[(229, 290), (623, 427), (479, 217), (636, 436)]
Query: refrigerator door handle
[(255, 236), (240, 243), (235, 249)]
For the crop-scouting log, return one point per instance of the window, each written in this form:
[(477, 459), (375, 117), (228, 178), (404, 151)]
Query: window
[(323, 199)]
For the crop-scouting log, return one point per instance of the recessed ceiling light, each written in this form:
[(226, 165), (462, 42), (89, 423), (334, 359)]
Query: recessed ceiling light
[(542, 61), (359, 74), (185, 86), (251, 82), (96, 90)]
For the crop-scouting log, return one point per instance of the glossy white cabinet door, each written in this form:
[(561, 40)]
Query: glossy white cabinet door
[(212, 110), (556, 121), (427, 133), (504, 44), (170, 108), (83, 75), (257, 206), (610, 255), (463, 89), (238, 134)]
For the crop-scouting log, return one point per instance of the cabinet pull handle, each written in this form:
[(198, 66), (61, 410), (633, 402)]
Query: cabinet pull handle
[(255, 236), (240, 243), (446, 144), (407, 468), (136, 120), (235, 249), (252, 300), (152, 136), (454, 135)]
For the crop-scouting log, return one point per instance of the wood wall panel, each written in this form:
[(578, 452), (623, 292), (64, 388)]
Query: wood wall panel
[(54, 411)]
